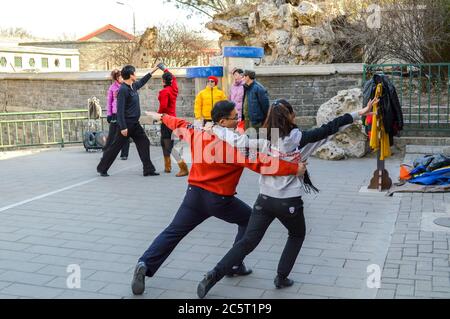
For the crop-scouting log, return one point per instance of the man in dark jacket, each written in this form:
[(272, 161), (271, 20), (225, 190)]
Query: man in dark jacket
[(128, 114), (256, 101)]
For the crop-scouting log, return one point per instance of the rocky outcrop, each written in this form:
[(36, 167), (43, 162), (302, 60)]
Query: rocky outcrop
[(351, 142), (291, 32)]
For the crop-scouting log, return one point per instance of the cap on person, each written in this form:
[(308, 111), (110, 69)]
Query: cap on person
[(213, 78)]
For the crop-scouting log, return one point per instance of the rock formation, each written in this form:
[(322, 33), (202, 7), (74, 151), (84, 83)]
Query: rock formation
[(352, 142), (291, 32)]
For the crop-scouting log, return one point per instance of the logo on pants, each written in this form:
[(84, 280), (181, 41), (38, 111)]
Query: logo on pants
[(291, 210)]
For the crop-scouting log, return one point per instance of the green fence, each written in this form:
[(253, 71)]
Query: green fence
[(43, 128), (423, 90)]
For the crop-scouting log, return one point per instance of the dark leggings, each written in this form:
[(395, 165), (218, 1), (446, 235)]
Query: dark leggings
[(167, 144), (290, 213)]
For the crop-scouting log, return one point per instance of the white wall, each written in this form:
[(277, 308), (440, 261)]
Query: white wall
[(11, 68)]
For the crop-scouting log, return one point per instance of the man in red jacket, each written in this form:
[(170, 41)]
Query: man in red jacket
[(168, 105), (216, 170)]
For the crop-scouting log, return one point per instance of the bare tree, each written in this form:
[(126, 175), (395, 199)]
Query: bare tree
[(174, 44), (412, 31), (17, 33), (177, 46), (210, 7)]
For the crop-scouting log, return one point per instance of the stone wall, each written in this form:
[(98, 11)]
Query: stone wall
[(306, 87)]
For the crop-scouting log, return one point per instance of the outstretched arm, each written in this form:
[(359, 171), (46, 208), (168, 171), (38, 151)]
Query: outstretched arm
[(331, 128), (139, 84), (181, 128)]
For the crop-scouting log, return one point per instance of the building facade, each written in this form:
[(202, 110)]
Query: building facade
[(15, 59)]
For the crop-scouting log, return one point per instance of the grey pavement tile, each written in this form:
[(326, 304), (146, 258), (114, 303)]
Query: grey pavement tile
[(25, 277), (85, 285), (327, 291), (235, 292), (31, 291), (385, 294), (56, 251), (18, 265)]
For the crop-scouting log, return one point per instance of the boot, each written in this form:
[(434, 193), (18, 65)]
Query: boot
[(167, 164), (184, 171)]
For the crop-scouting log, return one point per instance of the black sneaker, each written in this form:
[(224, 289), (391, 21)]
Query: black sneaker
[(206, 284), (151, 174), (138, 283), (282, 282), (103, 174), (242, 270)]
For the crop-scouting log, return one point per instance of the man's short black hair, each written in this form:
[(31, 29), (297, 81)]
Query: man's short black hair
[(251, 74), (127, 72), (167, 78), (222, 110), (240, 71)]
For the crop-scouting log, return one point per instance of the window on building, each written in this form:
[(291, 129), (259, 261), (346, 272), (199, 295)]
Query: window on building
[(45, 63), (57, 63), (18, 61), (68, 63), (32, 62), (3, 62)]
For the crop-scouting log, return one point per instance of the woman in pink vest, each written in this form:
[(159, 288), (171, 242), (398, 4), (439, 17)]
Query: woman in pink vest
[(237, 93), (111, 112)]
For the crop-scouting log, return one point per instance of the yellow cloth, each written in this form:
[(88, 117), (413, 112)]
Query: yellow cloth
[(205, 101), (379, 139)]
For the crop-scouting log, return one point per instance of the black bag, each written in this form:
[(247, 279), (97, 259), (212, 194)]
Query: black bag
[(94, 140)]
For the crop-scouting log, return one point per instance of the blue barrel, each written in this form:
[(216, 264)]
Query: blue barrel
[(204, 72), (243, 52)]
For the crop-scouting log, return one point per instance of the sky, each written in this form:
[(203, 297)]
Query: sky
[(52, 18)]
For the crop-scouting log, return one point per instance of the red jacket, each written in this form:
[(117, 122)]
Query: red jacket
[(216, 165), (168, 97)]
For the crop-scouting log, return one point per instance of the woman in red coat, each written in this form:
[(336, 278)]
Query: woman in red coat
[(167, 105)]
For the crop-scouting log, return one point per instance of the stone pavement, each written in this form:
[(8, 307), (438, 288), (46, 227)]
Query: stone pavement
[(55, 212)]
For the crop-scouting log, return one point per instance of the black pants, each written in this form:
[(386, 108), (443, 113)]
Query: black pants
[(290, 213), (113, 128), (167, 143), (137, 133), (198, 205)]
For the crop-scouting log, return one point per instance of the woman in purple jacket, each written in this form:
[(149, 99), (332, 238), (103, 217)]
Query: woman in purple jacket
[(111, 112), (237, 91)]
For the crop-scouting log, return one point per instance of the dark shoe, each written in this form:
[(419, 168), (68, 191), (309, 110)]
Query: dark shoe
[(151, 174), (103, 174), (138, 283), (124, 158), (242, 270), (282, 282), (206, 284)]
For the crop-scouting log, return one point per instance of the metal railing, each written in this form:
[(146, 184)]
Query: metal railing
[(25, 129), (423, 91)]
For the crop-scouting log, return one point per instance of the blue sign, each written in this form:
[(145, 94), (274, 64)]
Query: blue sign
[(204, 72), (243, 52)]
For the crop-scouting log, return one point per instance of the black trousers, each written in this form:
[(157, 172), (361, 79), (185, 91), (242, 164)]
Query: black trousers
[(198, 205), (290, 213), (167, 144), (137, 133), (113, 128)]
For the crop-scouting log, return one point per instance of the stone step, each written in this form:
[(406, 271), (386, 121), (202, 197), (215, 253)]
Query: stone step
[(421, 140), (424, 133), (426, 149)]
